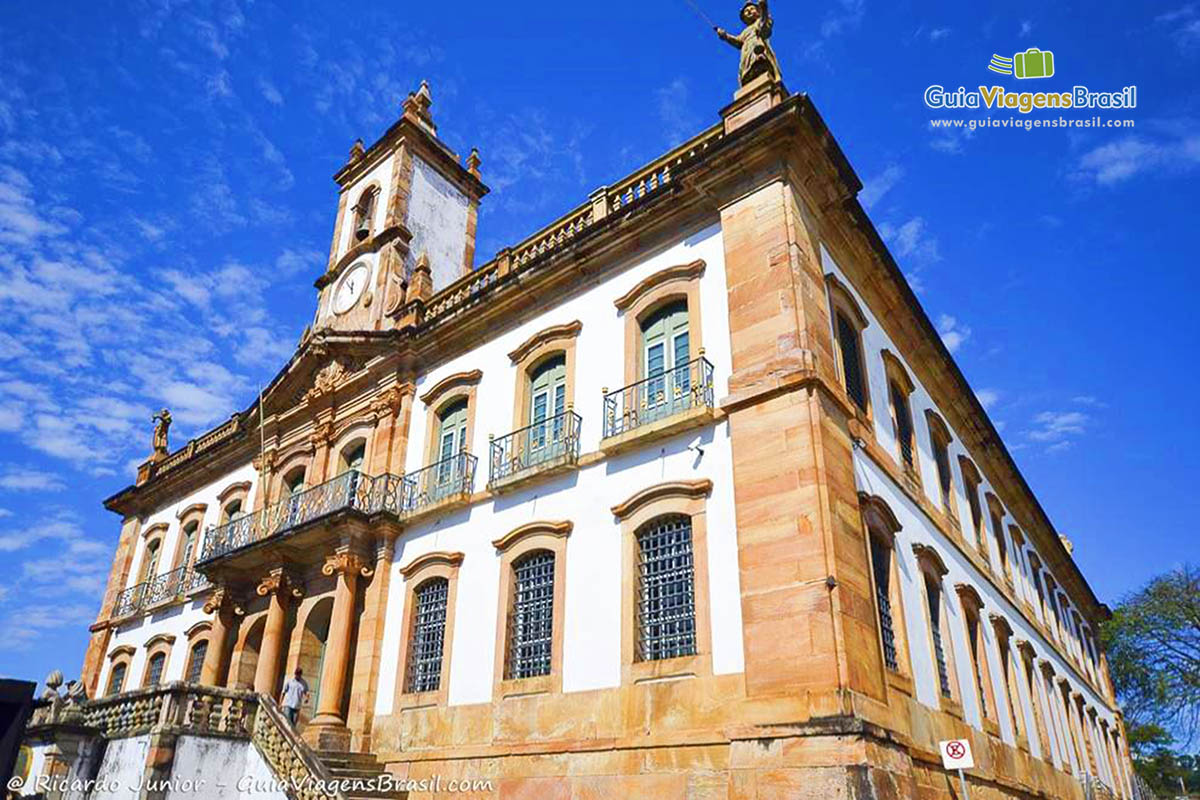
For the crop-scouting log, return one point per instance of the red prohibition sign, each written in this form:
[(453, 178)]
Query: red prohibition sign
[(955, 750)]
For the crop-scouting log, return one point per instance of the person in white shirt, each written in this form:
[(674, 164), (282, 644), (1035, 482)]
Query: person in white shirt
[(295, 691)]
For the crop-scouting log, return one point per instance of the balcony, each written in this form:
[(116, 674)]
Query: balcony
[(400, 497), (544, 448), (661, 405), (447, 483), (159, 590)]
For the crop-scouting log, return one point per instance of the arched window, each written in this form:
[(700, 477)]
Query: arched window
[(848, 324), (900, 388), (452, 430), (293, 482), (154, 669), (354, 455), (1037, 701), (427, 636), (971, 484), (150, 560), (547, 402), (195, 663), (531, 616), (665, 355), (116, 677), (939, 446), (187, 549), (666, 587), (364, 213), (232, 510), (1009, 675), (972, 607), (882, 528), (933, 569)]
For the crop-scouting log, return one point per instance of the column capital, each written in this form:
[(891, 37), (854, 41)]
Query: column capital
[(322, 434), (265, 461), (280, 581), (387, 402), (348, 563), (222, 600)]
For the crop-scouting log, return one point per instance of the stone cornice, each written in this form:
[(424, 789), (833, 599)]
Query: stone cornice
[(681, 272), (560, 529), (688, 490), (552, 334), (439, 557), (454, 381)]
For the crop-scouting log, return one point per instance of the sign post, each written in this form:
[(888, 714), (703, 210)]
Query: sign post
[(956, 755)]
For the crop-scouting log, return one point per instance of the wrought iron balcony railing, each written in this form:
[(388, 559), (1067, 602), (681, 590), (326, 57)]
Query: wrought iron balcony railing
[(447, 479), (542, 445), (164, 588), (398, 495), (351, 489), (659, 397)]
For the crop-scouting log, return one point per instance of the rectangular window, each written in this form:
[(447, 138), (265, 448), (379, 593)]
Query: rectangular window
[(975, 640), (851, 362), (531, 620), (428, 636), (196, 665), (904, 425), (933, 595), (666, 609), (881, 562)]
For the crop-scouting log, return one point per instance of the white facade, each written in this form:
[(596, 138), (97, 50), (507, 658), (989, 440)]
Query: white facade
[(917, 528)]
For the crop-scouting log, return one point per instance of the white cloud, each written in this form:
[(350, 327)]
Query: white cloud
[(24, 479), (877, 186), (937, 34), (846, 16), (910, 239), (679, 121), (1026, 28), (1057, 430), (1184, 24), (953, 332), (1118, 161), (988, 398)]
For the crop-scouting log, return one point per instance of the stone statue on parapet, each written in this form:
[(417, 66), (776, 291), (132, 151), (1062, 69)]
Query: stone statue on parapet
[(162, 423), (754, 42)]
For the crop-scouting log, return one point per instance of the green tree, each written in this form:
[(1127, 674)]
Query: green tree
[(1153, 648)]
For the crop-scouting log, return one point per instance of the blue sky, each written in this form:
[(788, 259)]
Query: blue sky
[(166, 202)]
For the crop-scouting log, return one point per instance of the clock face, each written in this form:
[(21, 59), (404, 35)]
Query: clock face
[(350, 288)]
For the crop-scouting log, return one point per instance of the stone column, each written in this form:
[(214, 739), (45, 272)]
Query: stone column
[(368, 654), (810, 633), (281, 589), (328, 730), (384, 407), (321, 436), (220, 639)]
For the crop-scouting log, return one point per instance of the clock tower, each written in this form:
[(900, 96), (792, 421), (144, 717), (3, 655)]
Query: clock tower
[(406, 200)]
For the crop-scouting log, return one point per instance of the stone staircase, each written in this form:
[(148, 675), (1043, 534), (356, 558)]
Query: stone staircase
[(361, 768)]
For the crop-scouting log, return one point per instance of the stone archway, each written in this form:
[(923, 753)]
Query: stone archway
[(241, 672), (314, 638)]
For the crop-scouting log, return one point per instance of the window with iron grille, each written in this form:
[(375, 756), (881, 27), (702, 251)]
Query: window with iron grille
[(904, 424), (531, 618), (851, 361), (196, 664), (881, 558), (934, 595), (428, 636), (116, 679), (155, 670), (975, 638), (666, 609)]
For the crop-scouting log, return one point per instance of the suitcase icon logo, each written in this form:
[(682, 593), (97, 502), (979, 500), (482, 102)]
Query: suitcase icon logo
[(1033, 63)]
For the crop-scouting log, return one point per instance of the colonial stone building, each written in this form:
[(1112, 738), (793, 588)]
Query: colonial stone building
[(681, 496)]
